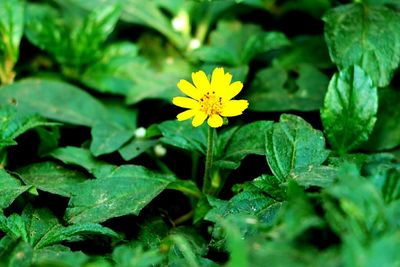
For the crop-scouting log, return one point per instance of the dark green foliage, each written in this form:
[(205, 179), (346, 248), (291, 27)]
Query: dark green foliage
[(96, 171)]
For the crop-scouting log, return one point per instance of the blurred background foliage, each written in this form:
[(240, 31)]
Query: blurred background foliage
[(81, 184)]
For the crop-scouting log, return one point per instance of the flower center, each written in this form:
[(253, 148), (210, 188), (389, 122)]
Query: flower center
[(211, 104)]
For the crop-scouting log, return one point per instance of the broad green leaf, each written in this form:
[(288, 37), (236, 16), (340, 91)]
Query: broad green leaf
[(124, 191), (386, 133), (15, 252), (54, 100), (274, 90), (58, 255), (71, 42), (49, 139), (11, 30), (350, 109), (183, 135), (40, 228), (10, 189), (233, 43), (13, 123), (367, 36), (52, 178), (293, 145), (135, 255), (248, 139)]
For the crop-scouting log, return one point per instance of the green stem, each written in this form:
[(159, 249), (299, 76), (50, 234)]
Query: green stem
[(209, 160)]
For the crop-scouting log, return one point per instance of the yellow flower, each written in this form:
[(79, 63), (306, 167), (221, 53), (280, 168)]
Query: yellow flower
[(212, 100)]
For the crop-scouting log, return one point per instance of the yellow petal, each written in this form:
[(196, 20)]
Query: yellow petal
[(199, 118), (220, 80), (185, 102), (234, 108), (186, 115), (188, 89), (232, 90), (215, 121), (200, 80)]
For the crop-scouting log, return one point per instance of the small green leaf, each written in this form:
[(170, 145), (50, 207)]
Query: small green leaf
[(293, 145), (133, 187), (367, 36), (10, 189), (183, 135), (52, 178), (135, 147), (350, 109), (248, 139)]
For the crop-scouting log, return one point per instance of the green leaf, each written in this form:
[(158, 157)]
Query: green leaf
[(10, 189), (249, 202), (135, 255), (304, 49), (350, 109), (15, 252), (113, 72), (71, 41), (386, 133), (109, 136), (13, 123), (293, 145), (40, 228), (248, 139), (147, 13), (321, 176), (160, 82), (54, 100), (367, 36), (135, 147), (355, 208), (11, 29), (83, 158), (133, 187), (274, 90), (58, 255), (52, 178), (183, 135), (233, 43)]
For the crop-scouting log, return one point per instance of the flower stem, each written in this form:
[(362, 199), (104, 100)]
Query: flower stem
[(209, 160)]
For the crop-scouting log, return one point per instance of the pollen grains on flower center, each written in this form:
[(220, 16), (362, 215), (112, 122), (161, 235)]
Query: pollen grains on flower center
[(211, 104)]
